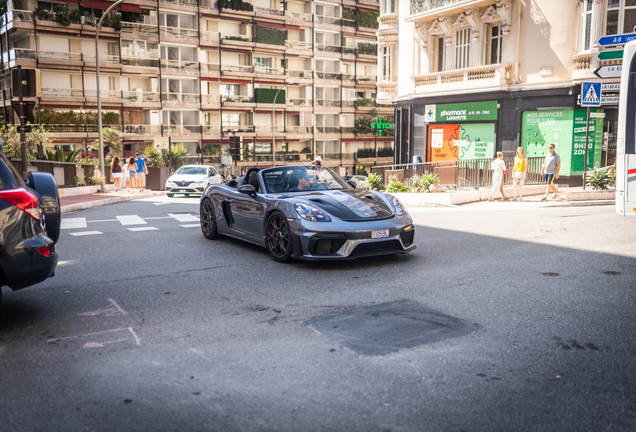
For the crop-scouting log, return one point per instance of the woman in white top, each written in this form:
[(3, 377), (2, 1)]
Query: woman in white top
[(126, 173), (498, 167)]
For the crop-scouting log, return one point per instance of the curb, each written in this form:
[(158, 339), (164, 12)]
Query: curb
[(583, 203), (107, 201)]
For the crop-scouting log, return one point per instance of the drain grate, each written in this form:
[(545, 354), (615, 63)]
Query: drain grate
[(389, 327)]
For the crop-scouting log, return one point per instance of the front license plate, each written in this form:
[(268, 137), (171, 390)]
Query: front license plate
[(380, 234)]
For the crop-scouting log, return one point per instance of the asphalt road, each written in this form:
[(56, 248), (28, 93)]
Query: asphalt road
[(162, 330)]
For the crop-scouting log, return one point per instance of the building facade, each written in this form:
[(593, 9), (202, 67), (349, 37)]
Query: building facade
[(201, 71), (479, 76)]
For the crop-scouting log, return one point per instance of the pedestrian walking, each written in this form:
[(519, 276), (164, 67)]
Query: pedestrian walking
[(132, 170), (519, 173), (126, 174), (318, 161), (142, 170), (116, 169), (498, 167), (550, 172)]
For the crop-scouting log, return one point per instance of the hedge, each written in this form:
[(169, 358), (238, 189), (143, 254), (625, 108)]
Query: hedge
[(270, 36), (265, 95)]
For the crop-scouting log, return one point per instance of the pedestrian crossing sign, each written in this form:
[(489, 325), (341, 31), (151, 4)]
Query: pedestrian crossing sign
[(590, 94)]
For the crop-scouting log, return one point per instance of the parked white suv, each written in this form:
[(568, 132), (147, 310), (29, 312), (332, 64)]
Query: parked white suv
[(192, 180)]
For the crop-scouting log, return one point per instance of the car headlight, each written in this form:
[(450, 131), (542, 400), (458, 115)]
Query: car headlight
[(399, 208), (310, 213)]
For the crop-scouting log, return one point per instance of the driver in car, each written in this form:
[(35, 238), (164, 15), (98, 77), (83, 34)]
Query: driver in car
[(303, 183)]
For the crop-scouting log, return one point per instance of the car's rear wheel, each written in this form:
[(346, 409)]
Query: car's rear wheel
[(208, 220), (279, 237), (44, 184)]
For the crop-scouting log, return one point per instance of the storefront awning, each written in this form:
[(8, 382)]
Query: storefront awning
[(235, 81), (96, 4), (293, 27), (349, 7), (130, 8), (270, 25)]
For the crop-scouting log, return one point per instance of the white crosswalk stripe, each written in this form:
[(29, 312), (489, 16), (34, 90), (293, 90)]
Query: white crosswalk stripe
[(190, 225), (184, 217), (143, 229), (85, 233), (131, 220), (72, 223)]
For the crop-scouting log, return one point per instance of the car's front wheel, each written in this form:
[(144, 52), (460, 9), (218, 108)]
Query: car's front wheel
[(208, 220), (279, 243)]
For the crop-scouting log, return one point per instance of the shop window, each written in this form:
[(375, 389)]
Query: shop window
[(586, 24), (462, 48), (494, 44), (438, 54), (621, 16)]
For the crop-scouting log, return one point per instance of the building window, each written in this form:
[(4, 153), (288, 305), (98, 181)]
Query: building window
[(621, 17), (494, 44), (586, 24), (389, 6), (228, 90), (462, 48), (231, 120), (386, 64), (437, 59)]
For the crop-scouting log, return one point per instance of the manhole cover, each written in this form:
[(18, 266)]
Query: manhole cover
[(389, 327)]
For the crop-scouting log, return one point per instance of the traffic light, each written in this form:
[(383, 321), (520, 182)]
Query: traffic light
[(235, 146), (31, 82)]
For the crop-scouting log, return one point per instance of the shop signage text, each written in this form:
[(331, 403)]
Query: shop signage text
[(469, 111), (382, 125)]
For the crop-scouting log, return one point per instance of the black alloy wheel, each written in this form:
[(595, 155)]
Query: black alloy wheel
[(279, 238), (208, 220)]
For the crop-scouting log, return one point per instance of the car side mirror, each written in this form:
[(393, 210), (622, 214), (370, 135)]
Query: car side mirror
[(247, 189), (351, 183)]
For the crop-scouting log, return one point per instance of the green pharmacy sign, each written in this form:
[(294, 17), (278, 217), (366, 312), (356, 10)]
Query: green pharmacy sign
[(467, 111), (380, 125)]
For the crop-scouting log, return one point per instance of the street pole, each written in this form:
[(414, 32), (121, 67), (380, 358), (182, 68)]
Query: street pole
[(587, 136), (23, 148), (274, 127), (99, 98), (170, 155)]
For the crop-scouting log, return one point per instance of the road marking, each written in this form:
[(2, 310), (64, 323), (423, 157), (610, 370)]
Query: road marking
[(161, 203), (131, 220), (104, 220), (71, 223), (190, 225), (143, 229), (158, 217), (85, 233), (184, 217)]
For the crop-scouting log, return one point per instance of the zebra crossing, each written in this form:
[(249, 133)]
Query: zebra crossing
[(133, 223)]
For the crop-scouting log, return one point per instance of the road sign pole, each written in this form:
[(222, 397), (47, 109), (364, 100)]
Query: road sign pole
[(587, 137)]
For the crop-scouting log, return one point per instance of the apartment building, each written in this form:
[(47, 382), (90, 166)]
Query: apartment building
[(202, 71), (479, 76)]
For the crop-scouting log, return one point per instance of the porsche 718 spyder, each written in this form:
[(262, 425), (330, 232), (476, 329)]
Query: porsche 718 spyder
[(306, 212)]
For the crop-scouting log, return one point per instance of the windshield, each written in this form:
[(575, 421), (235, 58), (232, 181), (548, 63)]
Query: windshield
[(192, 170), (302, 179)]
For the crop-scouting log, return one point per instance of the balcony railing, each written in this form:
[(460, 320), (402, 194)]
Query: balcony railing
[(307, 74), (237, 68), (19, 16), (211, 130), (210, 36), (236, 37), (210, 67), (321, 19), (299, 129), (348, 104), (237, 98), (103, 93), (140, 96), (298, 16), (103, 58), (268, 129), (269, 70), (179, 65), (140, 61), (181, 2), (328, 75), (210, 98), (183, 98), (328, 129), (178, 32), (366, 78), (142, 129), (212, 4), (56, 55), (145, 29), (299, 45), (490, 76), (268, 11), (328, 156), (48, 91), (328, 48), (181, 129), (238, 129), (347, 129), (299, 102), (348, 50), (328, 103), (348, 77), (419, 6)]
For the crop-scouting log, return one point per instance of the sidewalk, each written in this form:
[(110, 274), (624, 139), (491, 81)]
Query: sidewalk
[(80, 202)]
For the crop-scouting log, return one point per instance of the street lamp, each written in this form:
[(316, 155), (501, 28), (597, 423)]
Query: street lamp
[(99, 98), (273, 117)]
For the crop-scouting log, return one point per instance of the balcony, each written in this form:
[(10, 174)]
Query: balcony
[(366, 78), (238, 128), (299, 45), (211, 130), (327, 129), (268, 11), (55, 55), (179, 33), (329, 20), (236, 37), (328, 75), (181, 2), (299, 129), (268, 129), (386, 92), (139, 28), (302, 74), (237, 68), (178, 65), (212, 4), (113, 94), (61, 92), (209, 36), (210, 67), (181, 130), (210, 98), (140, 62), (180, 98), (328, 48), (140, 96), (328, 103), (298, 16), (103, 58), (237, 99), (142, 129), (269, 70), (426, 7), (485, 78), (299, 102)]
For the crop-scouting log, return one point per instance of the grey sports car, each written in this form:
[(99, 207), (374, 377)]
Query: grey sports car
[(306, 212)]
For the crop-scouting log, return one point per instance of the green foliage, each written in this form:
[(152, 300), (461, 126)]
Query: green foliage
[(362, 125), (361, 171), (396, 186), (385, 152), (265, 95), (236, 38), (77, 118), (270, 36), (17, 4), (365, 153), (367, 19), (62, 15), (237, 5), (374, 182), (38, 142), (60, 156), (213, 150), (179, 156), (368, 48), (366, 102), (349, 14), (113, 21), (423, 183), (90, 19), (153, 157), (43, 14), (132, 17), (75, 16), (601, 179), (96, 179), (306, 150), (111, 139)]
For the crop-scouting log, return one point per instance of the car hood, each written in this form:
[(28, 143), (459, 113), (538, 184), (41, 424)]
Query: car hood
[(347, 204), (187, 177)]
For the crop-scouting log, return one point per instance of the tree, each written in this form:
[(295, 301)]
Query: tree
[(39, 140), (111, 139)]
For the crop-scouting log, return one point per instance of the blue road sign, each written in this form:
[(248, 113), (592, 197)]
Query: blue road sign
[(616, 39), (590, 94)]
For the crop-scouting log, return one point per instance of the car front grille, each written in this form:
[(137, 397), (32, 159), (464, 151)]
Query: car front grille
[(183, 183), (407, 237), (379, 247)]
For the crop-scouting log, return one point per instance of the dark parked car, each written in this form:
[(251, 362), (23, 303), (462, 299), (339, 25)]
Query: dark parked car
[(29, 226)]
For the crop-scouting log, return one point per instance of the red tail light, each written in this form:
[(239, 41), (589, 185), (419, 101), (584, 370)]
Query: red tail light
[(46, 251), (24, 200)]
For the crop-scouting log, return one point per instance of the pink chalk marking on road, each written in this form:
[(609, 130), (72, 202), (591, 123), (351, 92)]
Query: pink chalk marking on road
[(135, 335), (112, 310), (101, 344)]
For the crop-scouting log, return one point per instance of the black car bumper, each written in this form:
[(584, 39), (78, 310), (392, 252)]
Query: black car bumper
[(28, 262)]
